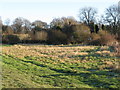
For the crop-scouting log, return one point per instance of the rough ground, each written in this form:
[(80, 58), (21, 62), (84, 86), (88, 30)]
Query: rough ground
[(50, 66)]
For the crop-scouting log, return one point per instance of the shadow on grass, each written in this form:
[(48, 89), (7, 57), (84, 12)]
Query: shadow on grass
[(35, 63), (91, 78), (92, 54), (27, 61)]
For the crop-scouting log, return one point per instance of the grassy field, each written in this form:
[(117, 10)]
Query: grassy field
[(43, 66)]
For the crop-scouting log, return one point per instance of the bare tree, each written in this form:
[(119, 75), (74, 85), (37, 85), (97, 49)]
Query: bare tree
[(87, 14), (21, 24), (40, 24), (69, 20), (64, 21), (0, 24), (26, 25), (56, 22), (112, 17), (7, 21), (17, 24)]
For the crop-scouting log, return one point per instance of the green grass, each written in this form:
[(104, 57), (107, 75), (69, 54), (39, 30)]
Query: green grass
[(47, 72), (5, 45)]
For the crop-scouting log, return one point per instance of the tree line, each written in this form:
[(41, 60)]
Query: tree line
[(66, 30)]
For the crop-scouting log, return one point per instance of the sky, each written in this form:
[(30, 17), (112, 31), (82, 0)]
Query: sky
[(47, 10)]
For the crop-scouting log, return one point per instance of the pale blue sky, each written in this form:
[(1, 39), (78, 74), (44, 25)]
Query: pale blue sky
[(46, 10)]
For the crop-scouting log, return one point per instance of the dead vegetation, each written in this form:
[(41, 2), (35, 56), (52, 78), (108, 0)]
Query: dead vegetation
[(22, 51)]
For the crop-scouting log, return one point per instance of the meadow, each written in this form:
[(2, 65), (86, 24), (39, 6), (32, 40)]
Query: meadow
[(59, 66)]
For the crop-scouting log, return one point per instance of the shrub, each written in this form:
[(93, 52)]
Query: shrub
[(106, 38), (95, 36), (102, 38), (79, 33), (118, 36), (57, 37), (81, 36), (23, 36), (94, 42), (39, 35), (10, 39), (7, 30), (116, 47)]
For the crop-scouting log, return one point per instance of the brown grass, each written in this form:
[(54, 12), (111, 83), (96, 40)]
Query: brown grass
[(56, 52)]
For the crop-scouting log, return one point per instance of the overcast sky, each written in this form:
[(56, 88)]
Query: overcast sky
[(46, 10)]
